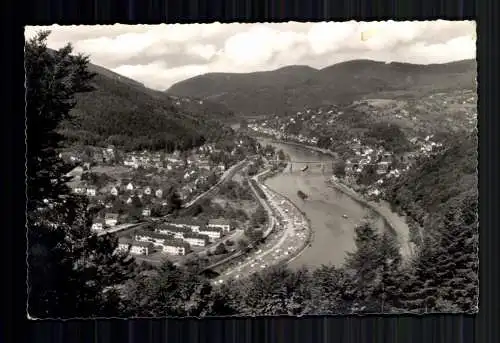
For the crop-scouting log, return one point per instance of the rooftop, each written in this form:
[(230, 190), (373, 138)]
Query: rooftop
[(176, 243), (125, 240), (211, 229), (196, 236), (218, 221), (173, 228), (151, 234), (186, 221)]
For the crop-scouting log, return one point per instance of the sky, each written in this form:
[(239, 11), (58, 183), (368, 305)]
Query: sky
[(161, 55)]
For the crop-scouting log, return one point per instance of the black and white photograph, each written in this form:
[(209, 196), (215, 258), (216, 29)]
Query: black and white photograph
[(265, 169)]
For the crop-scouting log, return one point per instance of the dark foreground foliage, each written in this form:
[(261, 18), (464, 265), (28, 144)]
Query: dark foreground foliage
[(73, 273)]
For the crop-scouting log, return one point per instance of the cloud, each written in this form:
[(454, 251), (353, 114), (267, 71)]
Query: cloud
[(160, 55)]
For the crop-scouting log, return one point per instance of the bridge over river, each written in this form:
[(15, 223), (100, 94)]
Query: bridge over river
[(323, 167)]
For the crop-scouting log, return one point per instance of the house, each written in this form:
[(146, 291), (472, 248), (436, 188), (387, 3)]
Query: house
[(146, 212), (97, 225), (129, 200), (204, 165), (114, 191), (175, 231), (80, 189), (136, 247), (124, 243), (153, 237), (159, 193), (147, 190), (176, 247), (91, 191), (382, 167), (130, 186), (111, 219), (131, 163), (213, 233), (220, 223), (196, 239)]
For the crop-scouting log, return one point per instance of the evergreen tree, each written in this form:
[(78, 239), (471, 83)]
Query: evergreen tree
[(388, 290), (458, 246), (277, 291), (174, 201), (422, 286), (444, 274), (363, 264), (71, 273), (332, 291)]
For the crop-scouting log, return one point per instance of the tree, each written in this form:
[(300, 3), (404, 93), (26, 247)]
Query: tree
[(445, 274), (364, 263), (458, 244), (259, 217), (220, 249), (174, 201), (71, 272), (332, 291), (388, 290), (422, 286), (277, 291), (339, 168), (211, 179), (254, 235), (243, 245), (368, 175), (170, 291), (281, 155)]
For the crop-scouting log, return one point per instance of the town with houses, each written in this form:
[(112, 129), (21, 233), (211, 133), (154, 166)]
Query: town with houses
[(138, 187), (176, 237), (358, 155)]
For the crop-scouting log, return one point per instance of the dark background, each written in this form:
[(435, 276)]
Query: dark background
[(14, 327)]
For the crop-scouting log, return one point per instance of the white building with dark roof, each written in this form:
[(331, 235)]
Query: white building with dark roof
[(111, 219), (220, 223), (135, 247), (213, 233), (176, 247), (195, 239)]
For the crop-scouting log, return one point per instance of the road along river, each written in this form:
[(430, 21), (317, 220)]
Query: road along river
[(332, 234)]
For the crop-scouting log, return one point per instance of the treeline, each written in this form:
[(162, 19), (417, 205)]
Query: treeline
[(374, 279)]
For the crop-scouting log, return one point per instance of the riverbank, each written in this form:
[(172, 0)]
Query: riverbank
[(382, 211), (390, 220)]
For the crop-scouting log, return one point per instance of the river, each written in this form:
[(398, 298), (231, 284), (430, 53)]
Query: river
[(333, 235)]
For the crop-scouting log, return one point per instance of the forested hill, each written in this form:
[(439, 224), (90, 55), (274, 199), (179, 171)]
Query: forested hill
[(123, 112), (439, 182), (295, 87)]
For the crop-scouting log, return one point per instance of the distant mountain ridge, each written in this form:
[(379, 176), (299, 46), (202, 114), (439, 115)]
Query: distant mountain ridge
[(294, 87)]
